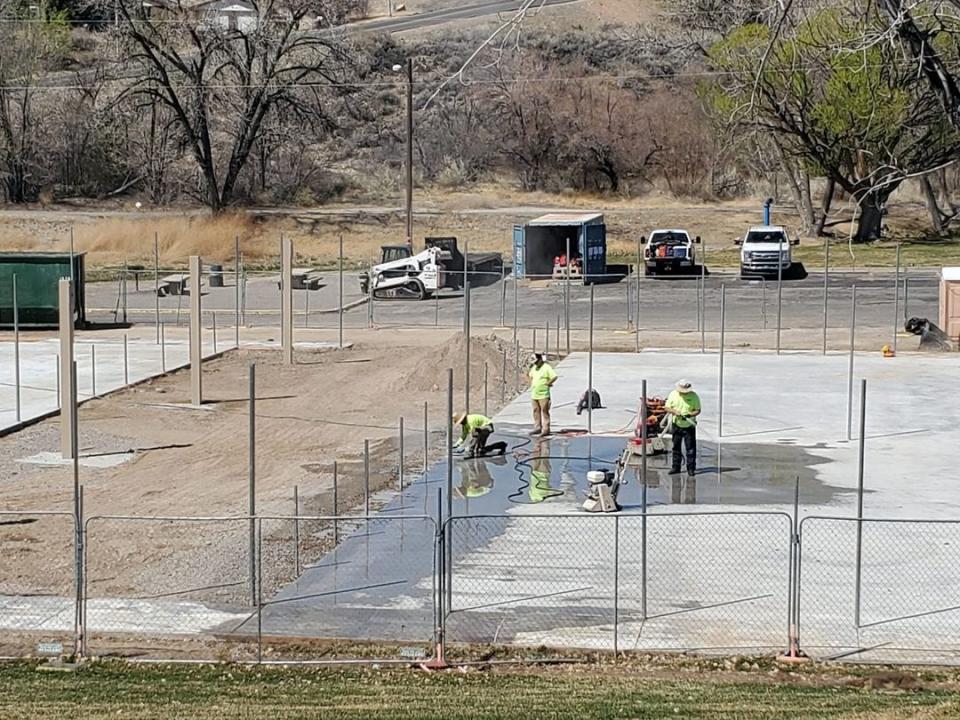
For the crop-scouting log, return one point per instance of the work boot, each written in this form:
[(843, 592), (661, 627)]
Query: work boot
[(503, 451), (691, 472), (674, 471), (535, 431)]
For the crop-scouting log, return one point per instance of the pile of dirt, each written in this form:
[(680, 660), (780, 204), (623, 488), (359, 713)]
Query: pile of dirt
[(429, 375)]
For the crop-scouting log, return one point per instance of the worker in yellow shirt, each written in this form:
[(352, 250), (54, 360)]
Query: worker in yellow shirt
[(475, 430), (683, 404), (542, 378)]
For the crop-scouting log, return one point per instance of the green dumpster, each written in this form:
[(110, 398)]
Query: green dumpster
[(38, 293)]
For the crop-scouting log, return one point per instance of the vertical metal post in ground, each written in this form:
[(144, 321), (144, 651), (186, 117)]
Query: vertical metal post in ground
[(449, 491), (779, 292), (156, 282), (853, 331), (703, 314), (296, 529), (67, 373), (340, 297), (486, 380), (906, 296), (566, 297), (426, 438), (336, 505), (73, 414), (366, 478), (163, 347), (236, 293), (259, 596), (126, 361), (826, 284), (896, 302), (93, 370), (400, 471), (16, 345), (860, 458), (616, 584), (546, 340), (503, 379), (590, 367), (723, 331), (503, 295), (370, 298), (466, 336), (286, 299), (306, 307), (638, 273), (558, 338), (533, 340), (516, 304), (643, 500), (124, 286), (252, 479), (214, 314), (196, 333)]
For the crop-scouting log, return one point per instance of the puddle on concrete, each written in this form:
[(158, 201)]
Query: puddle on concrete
[(378, 583), (553, 470)]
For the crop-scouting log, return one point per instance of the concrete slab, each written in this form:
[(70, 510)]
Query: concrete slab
[(708, 568), (109, 615), (103, 460)]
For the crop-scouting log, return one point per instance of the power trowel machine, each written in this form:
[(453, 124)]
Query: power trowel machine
[(604, 485)]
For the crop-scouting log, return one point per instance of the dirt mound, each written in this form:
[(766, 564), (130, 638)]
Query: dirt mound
[(429, 375)]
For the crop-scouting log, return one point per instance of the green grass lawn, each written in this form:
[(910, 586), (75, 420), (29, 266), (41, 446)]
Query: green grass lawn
[(114, 690)]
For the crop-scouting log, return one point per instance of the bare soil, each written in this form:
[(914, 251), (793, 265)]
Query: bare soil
[(194, 462)]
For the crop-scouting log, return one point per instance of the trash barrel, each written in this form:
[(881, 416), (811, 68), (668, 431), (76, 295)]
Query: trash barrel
[(216, 276)]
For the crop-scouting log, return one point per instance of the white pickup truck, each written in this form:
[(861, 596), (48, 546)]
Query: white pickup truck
[(765, 250), (668, 251)]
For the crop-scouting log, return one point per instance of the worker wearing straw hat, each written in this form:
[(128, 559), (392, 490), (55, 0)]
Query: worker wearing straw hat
[(474, 432), (683, 405)]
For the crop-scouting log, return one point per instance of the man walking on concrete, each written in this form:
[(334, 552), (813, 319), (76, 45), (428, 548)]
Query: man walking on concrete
[(683, 404), (542, 378)]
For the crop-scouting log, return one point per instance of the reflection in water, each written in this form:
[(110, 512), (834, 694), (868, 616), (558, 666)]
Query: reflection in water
[(683, 490), (475, 477)]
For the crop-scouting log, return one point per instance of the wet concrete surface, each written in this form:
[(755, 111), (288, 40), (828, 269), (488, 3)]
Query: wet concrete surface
[(708, 567)]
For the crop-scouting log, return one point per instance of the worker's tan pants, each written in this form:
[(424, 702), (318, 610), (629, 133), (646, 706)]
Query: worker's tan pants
[(541, 415)]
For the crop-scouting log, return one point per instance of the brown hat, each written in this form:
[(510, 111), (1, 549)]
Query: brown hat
[(459, 418)]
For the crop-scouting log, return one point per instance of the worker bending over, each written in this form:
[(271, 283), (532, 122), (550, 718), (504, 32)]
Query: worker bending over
[(683, 404), (542, 378), (475, 430)]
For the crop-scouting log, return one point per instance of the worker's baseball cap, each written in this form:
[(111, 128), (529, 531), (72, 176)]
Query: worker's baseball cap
[(684, 386), (459, 418)]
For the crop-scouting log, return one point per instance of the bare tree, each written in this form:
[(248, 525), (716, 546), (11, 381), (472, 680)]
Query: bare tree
[(222, 78), (28, 51)]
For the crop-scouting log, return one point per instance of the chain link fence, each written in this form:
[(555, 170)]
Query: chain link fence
[(621, 582), (38, 584), (394, 588), (880, 589), (539, 313)]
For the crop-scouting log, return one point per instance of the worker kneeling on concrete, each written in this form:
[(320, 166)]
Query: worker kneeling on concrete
[(475, 430), (683, 405)]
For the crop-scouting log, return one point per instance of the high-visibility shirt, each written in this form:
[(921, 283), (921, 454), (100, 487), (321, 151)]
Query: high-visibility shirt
[(474, 422), (540, 378), (683, 404)]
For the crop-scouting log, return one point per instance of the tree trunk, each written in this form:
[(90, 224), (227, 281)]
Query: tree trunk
[(825, 206), (799, 190), (936, 218), (870, 222)]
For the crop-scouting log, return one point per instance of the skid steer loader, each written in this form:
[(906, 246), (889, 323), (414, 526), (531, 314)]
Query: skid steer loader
[(414, 277)]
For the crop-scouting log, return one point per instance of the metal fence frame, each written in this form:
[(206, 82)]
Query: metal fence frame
[(443, 573)]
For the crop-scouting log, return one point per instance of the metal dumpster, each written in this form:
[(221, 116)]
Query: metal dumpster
[(38, 295)]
